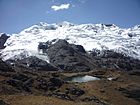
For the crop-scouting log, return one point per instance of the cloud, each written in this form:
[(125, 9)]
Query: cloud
[(60, 7)]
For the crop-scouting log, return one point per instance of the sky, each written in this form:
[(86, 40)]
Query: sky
[(16, 15)]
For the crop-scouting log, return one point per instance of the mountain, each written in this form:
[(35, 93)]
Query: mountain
[(71, 57), (42, 41), (47, 62)]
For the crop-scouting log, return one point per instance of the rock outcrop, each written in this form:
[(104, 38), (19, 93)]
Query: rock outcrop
[(36, 63), (75, 91), (5, 67), (3, 39), (69, 57), (108, 59)]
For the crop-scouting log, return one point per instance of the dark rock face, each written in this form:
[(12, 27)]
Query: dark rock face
[(45, 45), (108, 25), (36, 63), (112, 60), (68, 57), (3, 39), (78, 48), (42, 46), (5, 67)]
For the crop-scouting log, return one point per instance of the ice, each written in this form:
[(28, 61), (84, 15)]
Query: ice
[(90, 36)]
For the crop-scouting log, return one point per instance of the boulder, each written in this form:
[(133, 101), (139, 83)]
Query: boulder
[(62, 96), (75, 91)]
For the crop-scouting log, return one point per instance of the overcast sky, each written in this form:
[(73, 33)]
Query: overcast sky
[(16, 15)]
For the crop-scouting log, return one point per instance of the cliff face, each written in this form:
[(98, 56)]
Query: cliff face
[(3, 39), (71, 57)]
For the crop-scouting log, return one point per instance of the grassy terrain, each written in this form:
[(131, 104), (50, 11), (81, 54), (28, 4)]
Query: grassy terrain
[(124, 89), (37, 100)]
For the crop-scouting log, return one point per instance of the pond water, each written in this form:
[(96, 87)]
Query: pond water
[(81, 79)]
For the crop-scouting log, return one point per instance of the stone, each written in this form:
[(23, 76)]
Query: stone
[(62, 96), (75, 91)]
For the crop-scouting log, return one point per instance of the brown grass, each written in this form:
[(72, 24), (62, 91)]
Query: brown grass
[(37, 100)]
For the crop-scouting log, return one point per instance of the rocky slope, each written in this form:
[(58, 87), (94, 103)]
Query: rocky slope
[(5, 67), (26, 86), (36, 63), (71, 57)]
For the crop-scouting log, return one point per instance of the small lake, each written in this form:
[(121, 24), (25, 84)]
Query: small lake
[(81, 79)]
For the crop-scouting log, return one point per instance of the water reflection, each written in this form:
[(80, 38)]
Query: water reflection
[(80, 79)]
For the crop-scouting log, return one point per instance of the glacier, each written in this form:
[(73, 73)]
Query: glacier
[(90, 36)]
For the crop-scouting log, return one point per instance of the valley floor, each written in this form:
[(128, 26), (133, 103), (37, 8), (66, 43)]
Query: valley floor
[(113, 88)]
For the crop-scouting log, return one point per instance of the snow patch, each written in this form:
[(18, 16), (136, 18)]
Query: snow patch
[(90, 36)]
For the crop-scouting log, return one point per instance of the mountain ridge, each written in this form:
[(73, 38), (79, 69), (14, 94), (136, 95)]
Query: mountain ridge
[(90, 36)]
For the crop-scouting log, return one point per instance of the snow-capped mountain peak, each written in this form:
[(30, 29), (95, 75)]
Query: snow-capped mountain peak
[(90, 36)]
